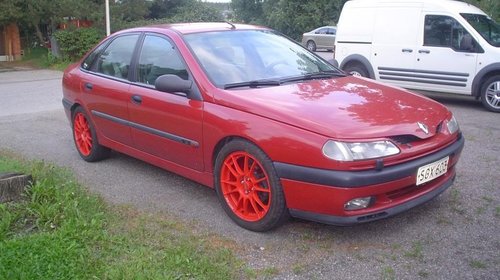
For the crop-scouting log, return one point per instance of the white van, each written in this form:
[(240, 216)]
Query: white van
[(427, 45)]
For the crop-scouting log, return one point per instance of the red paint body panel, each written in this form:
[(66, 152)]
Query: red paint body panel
[(290, 123)]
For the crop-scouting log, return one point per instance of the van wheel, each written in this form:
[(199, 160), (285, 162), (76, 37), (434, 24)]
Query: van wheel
[(311, 45), (356, 70), (490, 94)]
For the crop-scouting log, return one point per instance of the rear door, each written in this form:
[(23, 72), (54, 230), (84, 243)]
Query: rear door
[(106, 88), (167, 125)]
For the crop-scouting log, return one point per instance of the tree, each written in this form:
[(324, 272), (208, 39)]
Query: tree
[(291, 17), (167, 8), (10, 11), (197, 12), (130, 10), (490, 7), (249, 11)]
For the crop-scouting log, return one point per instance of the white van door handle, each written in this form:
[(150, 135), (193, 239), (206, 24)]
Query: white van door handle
[(407, 50), (424, 51)]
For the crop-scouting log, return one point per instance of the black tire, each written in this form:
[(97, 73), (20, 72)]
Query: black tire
[(263, 177), (490, 94), (85, 137), (356, 70), (311, 45)]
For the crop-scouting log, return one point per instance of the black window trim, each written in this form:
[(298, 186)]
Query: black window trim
[(478, 49)]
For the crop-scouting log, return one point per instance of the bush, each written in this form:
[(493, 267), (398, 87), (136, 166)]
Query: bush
[(75, 42)]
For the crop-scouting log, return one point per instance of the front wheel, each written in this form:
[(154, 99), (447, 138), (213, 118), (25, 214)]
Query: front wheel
[(311, 45), (490, 94), (85, 137), (356, 70), (248, 188)]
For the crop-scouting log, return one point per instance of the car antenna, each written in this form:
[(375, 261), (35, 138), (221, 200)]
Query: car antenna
[(233, 27)]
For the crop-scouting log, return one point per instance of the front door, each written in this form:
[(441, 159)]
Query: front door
[(446, 57), (167, 125)]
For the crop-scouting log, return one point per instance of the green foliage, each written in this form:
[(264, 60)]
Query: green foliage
[(10, 10), (60, 231), (75, 42), (197, 12), (291, 17), (189, 11), (490, 7)]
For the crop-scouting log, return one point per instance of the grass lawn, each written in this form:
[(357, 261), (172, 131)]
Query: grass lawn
[(38, 58), (61, 231)]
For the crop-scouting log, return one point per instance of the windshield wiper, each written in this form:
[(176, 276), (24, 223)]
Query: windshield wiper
[(313, 76), (253, 84)]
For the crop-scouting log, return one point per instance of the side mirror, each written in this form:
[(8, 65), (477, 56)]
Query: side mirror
[(173, 83)]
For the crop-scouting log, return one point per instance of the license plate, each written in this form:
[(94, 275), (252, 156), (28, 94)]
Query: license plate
[(431, 171)]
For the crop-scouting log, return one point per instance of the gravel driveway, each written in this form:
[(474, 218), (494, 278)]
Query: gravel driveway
[(455, 236)]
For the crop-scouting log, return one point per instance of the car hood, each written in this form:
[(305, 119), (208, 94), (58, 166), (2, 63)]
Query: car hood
[(341, 108)]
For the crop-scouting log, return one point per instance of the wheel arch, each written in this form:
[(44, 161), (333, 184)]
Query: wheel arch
[(226, 140), (482, 76), (361, 60)]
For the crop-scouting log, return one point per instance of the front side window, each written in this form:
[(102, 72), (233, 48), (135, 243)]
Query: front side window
[(322, 31), (115, 60), (486, 27), (159, 57), (445, 31)]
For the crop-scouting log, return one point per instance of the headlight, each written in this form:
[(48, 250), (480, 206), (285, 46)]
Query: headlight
[(452, 125), (345, 151)]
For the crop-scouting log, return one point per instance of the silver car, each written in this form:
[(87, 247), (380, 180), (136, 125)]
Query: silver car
[(320, 38)]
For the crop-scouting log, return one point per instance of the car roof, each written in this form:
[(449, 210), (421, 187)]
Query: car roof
[(197, 27)]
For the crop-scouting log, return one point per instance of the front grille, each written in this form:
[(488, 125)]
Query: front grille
[(404, 139)]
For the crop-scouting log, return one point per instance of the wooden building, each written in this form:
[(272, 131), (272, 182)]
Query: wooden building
[(10, 42)]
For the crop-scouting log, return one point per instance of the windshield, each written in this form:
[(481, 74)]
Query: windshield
[(246, 56), (485, 26)]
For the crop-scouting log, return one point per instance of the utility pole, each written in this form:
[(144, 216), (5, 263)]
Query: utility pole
[(108, 28)]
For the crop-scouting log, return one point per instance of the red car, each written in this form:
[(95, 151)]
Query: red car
[(275, 129)]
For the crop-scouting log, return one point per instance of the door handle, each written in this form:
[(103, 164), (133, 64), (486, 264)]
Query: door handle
[(137, 99), (89, 86), (424, 51), (407, 50)]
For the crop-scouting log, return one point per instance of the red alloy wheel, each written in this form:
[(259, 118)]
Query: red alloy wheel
[(245, 186), (83, 134)]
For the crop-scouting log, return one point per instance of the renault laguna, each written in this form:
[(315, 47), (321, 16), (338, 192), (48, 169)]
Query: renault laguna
[(276, 130)]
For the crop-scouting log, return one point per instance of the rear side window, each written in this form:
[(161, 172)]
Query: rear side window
[(445, 31), (115, 60), (87, 63), (159, 57)]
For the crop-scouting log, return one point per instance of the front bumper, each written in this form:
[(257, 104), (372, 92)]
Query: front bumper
[(319, 195)]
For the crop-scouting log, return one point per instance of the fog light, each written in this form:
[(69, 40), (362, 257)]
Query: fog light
[(358, 203)]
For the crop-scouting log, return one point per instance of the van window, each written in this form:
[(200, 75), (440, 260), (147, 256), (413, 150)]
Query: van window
[(485, 26), (445, 31)]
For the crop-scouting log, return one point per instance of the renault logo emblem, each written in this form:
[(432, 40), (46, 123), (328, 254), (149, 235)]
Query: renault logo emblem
[(424, 128)]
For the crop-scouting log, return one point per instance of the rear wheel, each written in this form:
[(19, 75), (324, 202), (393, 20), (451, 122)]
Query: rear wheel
[(356, 70), (248, 188), (85, 137), (311, 45), (490, 94)]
